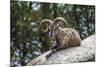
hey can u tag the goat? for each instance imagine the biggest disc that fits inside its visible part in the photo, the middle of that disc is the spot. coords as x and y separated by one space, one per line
63 37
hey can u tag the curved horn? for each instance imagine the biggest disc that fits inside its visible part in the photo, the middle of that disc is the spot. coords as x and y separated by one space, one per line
59 21
44 24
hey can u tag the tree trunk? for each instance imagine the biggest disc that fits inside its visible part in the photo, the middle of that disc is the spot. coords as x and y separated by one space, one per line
54 10
45 10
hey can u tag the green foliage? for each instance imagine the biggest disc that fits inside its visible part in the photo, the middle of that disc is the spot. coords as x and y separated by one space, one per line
27 39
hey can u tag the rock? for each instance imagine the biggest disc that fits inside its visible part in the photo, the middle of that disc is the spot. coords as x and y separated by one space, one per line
83 53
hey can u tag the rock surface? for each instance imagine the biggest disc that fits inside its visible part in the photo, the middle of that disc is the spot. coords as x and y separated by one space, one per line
83 53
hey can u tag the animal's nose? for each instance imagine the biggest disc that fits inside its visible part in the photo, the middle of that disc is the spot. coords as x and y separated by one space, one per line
53 39
50 34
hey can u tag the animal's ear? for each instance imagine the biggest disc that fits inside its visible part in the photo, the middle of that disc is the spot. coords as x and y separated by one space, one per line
45 24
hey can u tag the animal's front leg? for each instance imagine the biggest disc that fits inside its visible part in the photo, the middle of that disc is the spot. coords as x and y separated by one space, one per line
59 46
54 45
63 44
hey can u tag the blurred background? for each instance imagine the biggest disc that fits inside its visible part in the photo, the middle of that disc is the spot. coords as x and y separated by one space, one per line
28 41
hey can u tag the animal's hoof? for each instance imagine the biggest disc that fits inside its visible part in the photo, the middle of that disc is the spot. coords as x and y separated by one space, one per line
54 50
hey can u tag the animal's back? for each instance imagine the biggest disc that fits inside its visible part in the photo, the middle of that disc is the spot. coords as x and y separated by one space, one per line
74 37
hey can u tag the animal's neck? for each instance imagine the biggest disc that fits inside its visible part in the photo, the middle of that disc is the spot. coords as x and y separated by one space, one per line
61 34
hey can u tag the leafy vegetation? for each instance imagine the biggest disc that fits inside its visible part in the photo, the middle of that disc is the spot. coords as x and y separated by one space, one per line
28 41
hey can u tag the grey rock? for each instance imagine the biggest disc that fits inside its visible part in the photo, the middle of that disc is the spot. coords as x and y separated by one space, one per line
83 53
